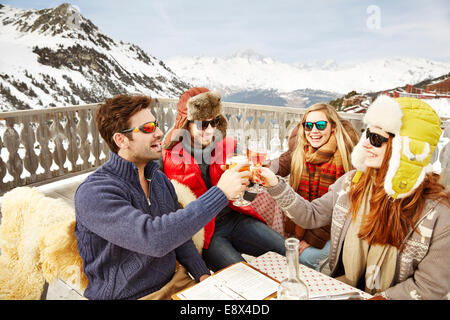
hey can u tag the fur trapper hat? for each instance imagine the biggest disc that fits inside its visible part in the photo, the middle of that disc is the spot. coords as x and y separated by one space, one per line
196 104
417 129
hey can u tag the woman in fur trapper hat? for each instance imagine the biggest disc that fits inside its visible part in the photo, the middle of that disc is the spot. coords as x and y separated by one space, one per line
206 104
390 217
194 153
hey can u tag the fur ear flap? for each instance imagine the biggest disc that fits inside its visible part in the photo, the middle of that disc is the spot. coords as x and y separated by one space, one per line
359 155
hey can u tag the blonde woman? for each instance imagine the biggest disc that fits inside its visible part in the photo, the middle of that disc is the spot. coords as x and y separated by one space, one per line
319 153
390 218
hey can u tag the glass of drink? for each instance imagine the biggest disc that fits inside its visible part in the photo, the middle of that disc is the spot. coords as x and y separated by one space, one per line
257 154
235 160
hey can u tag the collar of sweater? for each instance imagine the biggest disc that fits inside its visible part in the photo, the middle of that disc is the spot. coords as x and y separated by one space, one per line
128 170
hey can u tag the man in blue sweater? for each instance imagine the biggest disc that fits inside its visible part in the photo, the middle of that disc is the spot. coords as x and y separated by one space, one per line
130 230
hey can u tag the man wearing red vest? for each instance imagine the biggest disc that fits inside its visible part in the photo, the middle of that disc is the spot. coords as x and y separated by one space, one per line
194 152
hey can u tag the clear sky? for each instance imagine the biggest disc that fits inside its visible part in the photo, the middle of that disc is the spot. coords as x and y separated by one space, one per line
285 30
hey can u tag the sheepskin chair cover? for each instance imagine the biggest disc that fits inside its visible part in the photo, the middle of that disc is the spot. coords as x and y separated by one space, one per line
38 243
186 196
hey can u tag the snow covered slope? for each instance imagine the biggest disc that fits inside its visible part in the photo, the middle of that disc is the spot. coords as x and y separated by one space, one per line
56 57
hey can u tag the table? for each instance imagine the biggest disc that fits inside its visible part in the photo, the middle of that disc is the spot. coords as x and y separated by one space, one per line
319 284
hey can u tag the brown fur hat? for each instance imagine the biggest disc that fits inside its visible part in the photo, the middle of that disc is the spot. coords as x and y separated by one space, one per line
196 104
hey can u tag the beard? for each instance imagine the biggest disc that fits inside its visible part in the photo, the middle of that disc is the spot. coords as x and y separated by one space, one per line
145 154
202 152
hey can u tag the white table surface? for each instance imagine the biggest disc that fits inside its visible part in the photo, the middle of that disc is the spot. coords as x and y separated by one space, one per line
319 284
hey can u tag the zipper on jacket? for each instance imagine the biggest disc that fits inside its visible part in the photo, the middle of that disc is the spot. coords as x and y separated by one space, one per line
149 180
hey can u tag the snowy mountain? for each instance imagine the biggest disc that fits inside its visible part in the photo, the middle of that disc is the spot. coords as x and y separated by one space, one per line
57 57
247 71
301 98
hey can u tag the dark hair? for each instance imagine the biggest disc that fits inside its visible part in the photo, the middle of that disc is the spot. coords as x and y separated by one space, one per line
114 114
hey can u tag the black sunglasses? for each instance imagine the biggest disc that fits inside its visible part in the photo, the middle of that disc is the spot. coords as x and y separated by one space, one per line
320 125
202 125
147 127
375 139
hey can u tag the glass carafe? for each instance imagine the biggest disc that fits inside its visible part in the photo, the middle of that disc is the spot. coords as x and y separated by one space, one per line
292 287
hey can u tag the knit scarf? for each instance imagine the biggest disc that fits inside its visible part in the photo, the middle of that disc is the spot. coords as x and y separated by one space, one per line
322 168
376 263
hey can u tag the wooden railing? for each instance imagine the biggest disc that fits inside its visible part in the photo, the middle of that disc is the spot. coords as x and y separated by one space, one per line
46 145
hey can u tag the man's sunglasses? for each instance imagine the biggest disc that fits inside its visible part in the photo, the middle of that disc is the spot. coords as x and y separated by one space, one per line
202 125
375 139
320 125
147 127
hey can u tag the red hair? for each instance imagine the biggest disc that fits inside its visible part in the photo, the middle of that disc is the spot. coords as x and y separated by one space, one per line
388 221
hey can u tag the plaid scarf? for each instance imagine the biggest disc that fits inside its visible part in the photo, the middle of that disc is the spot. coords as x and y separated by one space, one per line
323 166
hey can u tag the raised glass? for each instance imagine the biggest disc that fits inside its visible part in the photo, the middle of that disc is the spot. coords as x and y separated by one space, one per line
257 154
235 160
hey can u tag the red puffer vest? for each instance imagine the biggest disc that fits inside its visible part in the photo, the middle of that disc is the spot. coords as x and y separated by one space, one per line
181 166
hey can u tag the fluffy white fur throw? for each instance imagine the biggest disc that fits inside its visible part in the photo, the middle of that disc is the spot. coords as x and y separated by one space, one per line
38 243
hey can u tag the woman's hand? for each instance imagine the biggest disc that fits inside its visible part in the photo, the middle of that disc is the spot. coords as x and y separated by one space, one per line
267 176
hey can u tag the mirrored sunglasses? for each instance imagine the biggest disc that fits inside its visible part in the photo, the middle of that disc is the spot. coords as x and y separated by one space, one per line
320 125
375 139
203 125
147 127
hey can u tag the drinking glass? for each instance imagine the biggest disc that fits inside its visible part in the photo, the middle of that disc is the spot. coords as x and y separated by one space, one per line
235 160
256 154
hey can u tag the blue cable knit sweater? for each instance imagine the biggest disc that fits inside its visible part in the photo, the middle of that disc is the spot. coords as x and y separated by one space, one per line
129 246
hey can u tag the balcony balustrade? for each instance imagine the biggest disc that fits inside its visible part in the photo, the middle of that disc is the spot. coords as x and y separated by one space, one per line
46 145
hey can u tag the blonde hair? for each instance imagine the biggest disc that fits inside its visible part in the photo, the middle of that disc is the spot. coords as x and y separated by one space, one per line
345 143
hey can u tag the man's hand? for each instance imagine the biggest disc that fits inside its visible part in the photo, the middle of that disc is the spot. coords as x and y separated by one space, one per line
232 182
203 277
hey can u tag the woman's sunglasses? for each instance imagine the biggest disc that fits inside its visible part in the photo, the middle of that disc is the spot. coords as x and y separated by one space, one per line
375 139
147 127
320 125
202 125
